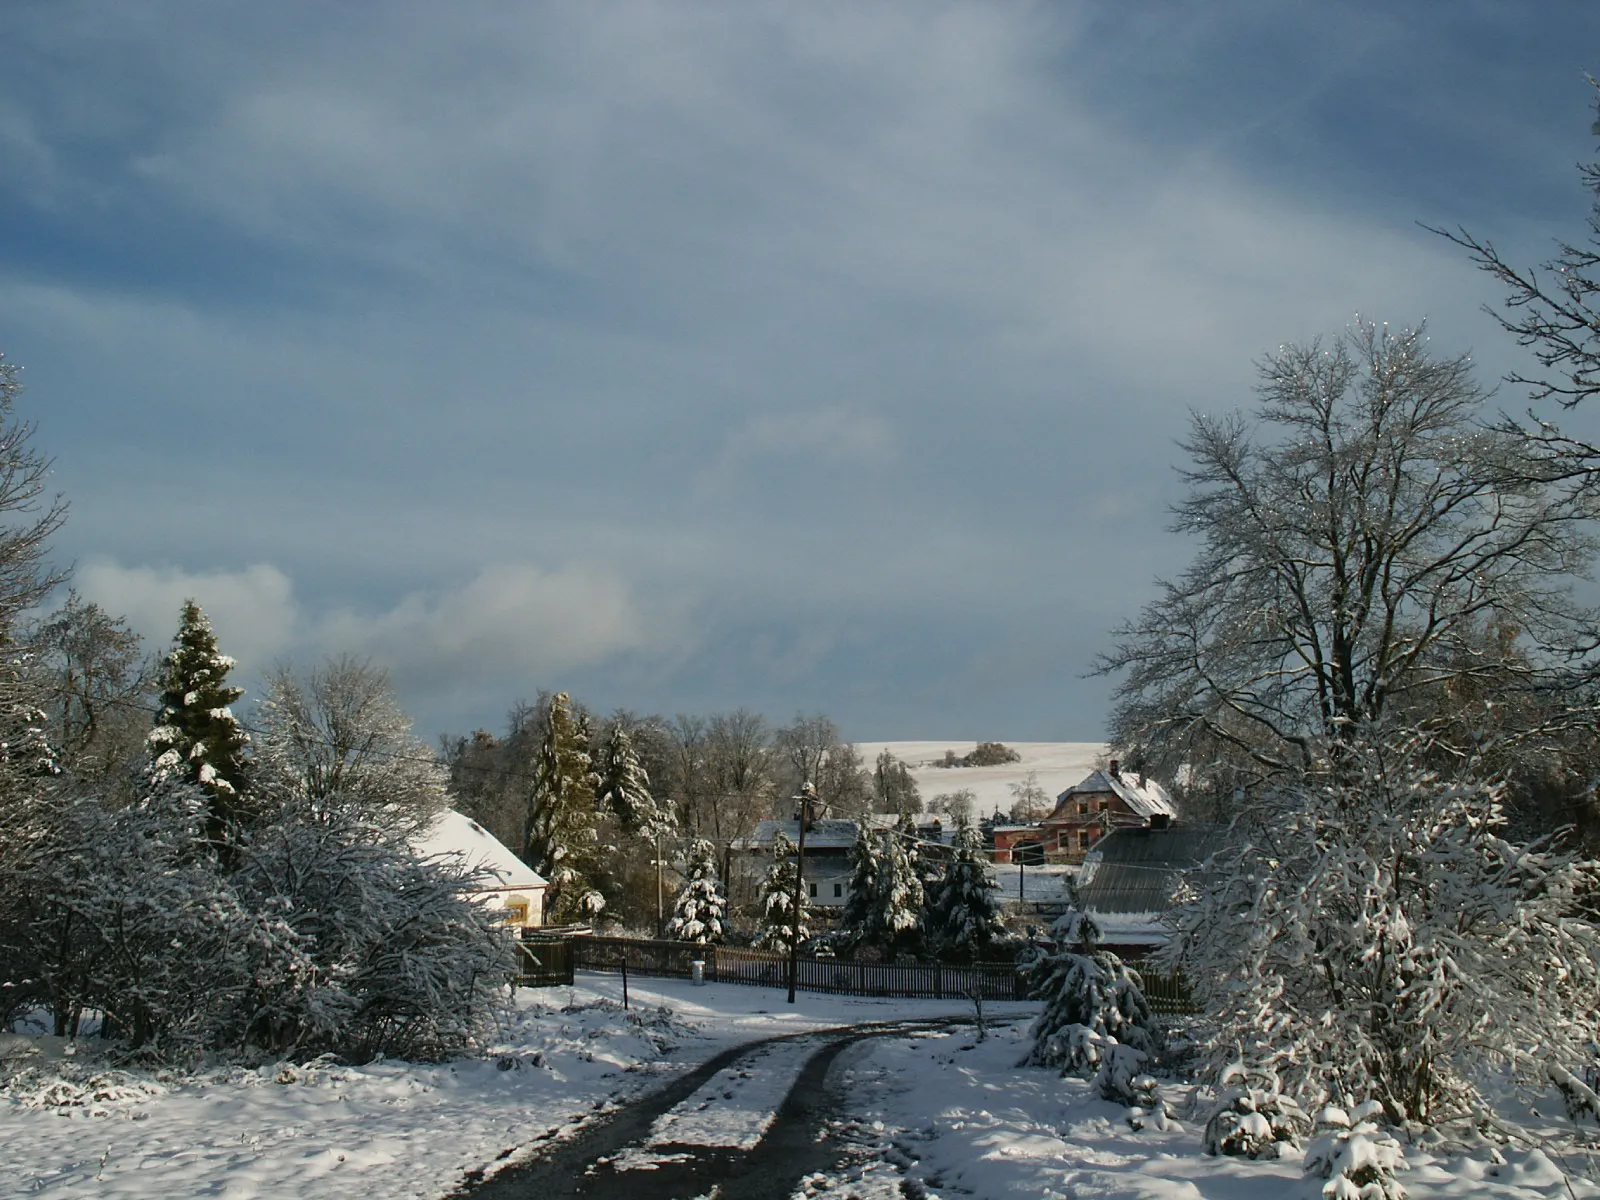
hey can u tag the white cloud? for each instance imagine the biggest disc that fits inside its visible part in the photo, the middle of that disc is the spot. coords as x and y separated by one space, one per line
252 610
510 619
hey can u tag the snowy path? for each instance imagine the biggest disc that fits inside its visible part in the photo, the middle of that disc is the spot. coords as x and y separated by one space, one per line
750 1125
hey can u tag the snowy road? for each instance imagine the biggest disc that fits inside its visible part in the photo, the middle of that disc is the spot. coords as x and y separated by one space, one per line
751 1124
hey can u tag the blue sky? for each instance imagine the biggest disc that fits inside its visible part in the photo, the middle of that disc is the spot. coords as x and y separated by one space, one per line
821 357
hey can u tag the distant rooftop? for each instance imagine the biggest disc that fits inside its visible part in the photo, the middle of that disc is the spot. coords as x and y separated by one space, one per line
1144 796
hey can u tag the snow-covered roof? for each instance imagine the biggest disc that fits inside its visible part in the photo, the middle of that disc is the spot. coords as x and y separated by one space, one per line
454 834
839 833
830 833
1145 797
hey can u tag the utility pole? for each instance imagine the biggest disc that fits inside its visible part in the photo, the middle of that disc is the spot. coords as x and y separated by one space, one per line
806 797
661 914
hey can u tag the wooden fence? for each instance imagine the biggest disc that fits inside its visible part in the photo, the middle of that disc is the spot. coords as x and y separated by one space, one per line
546 962
1168 993
762 968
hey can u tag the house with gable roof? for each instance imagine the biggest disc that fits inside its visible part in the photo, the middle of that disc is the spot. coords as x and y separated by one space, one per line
1107 799
500 880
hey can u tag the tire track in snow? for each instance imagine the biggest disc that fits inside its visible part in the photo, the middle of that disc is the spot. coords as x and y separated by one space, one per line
749 1124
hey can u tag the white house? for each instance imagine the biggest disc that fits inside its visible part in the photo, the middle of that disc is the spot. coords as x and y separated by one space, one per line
501 879
827 870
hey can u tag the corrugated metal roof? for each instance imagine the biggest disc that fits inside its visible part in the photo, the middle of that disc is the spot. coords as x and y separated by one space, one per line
1137 870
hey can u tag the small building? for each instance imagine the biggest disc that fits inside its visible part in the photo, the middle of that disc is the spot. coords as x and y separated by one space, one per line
1105 801
1128 881
501 880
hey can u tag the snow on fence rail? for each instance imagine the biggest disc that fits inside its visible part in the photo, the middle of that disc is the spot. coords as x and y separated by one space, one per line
761 968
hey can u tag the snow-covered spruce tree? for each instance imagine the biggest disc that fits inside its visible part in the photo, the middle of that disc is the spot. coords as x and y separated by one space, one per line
336 737
963 919
196 738
901 897
780 928
624 789
700 909
1093 1001
1378 937
883 914
861 921
563 824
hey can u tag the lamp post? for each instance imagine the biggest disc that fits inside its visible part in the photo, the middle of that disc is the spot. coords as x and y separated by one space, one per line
806 797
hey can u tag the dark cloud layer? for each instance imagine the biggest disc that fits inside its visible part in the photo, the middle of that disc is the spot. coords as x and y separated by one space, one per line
693 356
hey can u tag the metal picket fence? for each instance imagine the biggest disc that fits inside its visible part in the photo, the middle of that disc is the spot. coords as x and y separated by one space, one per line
762 968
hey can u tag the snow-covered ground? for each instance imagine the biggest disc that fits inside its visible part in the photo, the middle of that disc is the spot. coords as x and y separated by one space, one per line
388 1129
955 1115
1055 765
960 1119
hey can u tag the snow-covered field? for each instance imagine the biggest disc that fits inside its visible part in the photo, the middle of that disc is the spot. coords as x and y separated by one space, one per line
1056 766
956 1116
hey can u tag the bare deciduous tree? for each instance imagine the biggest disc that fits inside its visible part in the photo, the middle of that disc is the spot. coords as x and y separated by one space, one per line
1361 540
97 684
337 737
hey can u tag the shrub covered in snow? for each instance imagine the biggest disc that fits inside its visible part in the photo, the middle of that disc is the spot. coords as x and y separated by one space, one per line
1091 999
1355 1156
1380 937
315 938
1253 1118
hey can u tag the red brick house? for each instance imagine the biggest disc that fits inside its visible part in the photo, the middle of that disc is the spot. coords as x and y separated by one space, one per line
1085 813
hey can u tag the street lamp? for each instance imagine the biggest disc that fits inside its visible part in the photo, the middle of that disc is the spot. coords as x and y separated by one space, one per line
806 797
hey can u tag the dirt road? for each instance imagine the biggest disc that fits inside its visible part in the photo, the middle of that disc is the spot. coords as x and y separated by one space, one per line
750 1124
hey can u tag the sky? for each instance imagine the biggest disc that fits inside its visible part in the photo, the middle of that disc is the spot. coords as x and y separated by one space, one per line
802 357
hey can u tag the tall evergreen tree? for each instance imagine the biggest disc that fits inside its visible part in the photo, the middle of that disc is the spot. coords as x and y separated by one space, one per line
196 738
562 832
700 911
884 911
963 919
624 788
858 923
901 897
781 928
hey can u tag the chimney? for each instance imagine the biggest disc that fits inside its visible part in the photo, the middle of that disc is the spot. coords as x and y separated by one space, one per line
1112 768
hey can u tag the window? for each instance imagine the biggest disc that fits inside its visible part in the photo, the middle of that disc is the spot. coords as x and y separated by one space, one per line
1083 808
516 912
838 890
813 891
